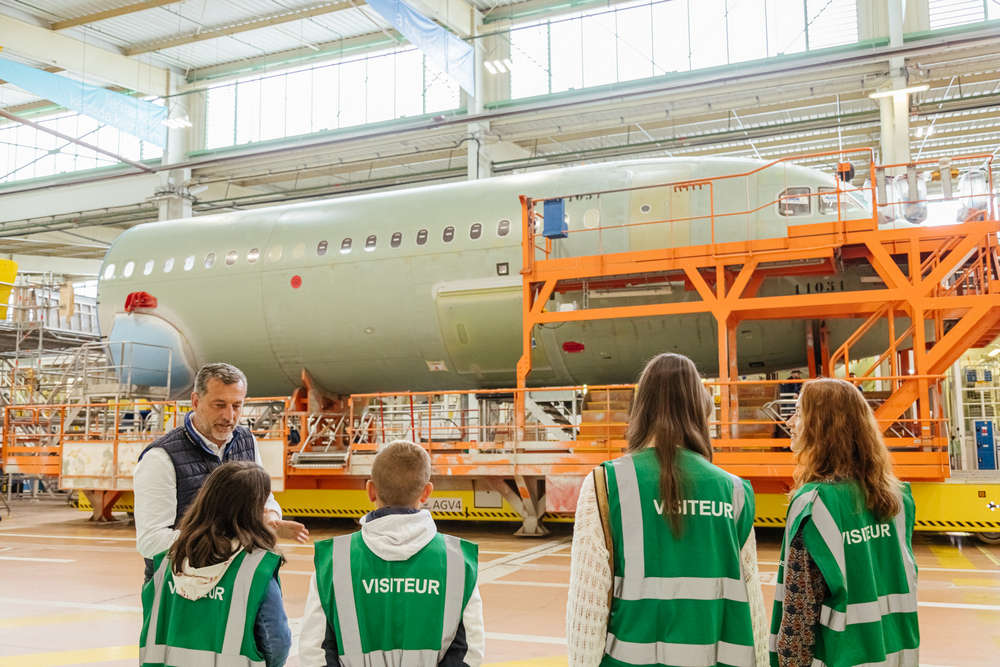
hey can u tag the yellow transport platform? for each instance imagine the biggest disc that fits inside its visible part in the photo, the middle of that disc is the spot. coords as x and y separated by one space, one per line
967 502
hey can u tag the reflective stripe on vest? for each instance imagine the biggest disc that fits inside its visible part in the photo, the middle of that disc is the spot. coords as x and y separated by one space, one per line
908 656
635 585
352 652
235 623
680 655
861 612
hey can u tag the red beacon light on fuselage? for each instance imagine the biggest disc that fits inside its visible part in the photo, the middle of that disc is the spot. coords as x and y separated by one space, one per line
137 300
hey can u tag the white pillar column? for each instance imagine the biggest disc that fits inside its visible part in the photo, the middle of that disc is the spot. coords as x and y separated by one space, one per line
172 203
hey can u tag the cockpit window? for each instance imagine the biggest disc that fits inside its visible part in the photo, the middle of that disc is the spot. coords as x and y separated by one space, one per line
795 201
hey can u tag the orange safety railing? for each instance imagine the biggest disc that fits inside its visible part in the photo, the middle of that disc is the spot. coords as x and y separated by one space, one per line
472 440
713 216
97 445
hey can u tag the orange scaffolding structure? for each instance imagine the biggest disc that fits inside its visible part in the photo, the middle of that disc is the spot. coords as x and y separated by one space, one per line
944 277
933 292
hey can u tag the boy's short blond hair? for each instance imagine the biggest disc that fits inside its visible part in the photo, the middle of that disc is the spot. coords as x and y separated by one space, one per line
400 473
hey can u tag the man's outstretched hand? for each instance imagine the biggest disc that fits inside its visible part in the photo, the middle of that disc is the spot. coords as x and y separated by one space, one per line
288 530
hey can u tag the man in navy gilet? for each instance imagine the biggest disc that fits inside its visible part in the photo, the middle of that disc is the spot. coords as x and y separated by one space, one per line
173 468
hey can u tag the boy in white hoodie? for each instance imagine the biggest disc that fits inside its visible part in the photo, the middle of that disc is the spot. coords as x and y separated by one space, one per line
396 592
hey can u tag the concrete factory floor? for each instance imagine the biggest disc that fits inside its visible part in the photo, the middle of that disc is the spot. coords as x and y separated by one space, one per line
69 590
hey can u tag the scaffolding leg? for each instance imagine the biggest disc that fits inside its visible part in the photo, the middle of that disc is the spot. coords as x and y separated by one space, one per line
102 502
528 501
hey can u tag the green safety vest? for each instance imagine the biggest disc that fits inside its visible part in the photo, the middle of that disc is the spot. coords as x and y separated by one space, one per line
870 616
395 612
678 600
216 630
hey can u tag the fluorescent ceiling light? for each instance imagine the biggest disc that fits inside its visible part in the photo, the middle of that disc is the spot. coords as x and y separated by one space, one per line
506 61
177 123
499 66
994 352
489 67
898 91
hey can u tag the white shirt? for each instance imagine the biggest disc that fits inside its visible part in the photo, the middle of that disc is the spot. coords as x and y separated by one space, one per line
154 484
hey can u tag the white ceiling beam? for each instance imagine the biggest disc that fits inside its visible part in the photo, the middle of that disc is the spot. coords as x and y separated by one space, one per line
57 50
456 15
111 13
65 266
82 237
42 204
250 24
200 78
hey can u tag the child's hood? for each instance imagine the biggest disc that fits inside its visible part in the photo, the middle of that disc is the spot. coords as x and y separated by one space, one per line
396 537
195 583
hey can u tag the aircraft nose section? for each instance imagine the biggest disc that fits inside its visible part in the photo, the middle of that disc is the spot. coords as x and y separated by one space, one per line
148 351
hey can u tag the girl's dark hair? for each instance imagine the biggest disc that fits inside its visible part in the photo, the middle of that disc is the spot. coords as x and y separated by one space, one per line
229 506
670 410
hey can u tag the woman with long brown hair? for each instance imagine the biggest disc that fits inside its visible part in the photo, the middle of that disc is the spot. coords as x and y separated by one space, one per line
664 568
847 585
215 592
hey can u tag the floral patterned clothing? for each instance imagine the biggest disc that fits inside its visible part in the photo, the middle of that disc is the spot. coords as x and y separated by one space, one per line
805 590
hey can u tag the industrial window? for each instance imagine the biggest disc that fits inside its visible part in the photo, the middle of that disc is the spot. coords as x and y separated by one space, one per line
209 260
253 255
33 153
503 228
299 251
275 254
604 45
476 231
449 234
129 268
231 257
422 237
321 248
370 243
168 265
345 246
109 271
794 202
354 90
949 13
149 267
396 239
189 262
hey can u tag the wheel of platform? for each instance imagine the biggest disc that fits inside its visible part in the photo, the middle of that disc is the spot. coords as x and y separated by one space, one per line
989 538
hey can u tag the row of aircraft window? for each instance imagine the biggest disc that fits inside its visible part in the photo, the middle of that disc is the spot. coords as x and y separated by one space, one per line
274 254
793 201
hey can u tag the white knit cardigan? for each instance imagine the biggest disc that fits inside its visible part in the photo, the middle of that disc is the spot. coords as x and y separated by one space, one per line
590 582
